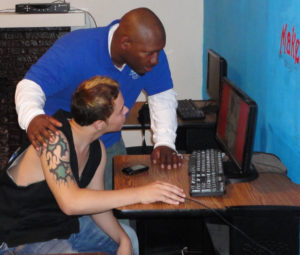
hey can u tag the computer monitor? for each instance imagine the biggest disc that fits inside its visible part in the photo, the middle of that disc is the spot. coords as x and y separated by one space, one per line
235 132
216 70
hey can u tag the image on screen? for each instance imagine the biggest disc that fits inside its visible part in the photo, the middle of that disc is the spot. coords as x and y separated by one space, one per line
236 125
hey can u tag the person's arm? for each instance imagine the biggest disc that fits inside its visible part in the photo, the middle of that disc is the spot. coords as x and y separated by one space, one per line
30 100
109 224
55 160
106 221
164 125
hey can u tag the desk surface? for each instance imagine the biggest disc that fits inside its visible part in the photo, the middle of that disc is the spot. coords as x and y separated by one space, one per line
267 190
133 123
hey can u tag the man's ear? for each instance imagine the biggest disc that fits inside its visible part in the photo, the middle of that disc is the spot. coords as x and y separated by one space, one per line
125 42
99 124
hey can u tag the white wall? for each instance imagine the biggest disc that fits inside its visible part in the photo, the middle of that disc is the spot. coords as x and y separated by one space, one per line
183 21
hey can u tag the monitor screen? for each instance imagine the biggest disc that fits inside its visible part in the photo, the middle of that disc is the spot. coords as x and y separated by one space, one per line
216 70
235 130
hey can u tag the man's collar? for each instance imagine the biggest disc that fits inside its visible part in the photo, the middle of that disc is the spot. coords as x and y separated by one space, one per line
111 32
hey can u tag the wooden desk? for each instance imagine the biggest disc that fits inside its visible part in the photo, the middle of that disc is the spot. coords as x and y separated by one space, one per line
267 209
267 190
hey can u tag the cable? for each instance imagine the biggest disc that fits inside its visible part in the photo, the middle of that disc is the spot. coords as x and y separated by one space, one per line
78 9
7 10
232 226
59 1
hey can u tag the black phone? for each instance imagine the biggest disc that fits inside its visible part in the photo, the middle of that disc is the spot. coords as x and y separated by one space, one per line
135 169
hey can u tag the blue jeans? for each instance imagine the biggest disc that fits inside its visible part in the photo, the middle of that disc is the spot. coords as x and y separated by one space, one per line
89 239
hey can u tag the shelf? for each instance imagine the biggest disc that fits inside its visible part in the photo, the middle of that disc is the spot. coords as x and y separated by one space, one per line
71 19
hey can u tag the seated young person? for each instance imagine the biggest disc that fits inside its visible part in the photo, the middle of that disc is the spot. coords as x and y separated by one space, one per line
53 200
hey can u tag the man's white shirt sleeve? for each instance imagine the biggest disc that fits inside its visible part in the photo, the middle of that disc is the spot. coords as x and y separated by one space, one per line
30 100
163 116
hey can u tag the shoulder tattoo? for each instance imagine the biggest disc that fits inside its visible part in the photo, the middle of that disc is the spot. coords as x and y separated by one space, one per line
56 154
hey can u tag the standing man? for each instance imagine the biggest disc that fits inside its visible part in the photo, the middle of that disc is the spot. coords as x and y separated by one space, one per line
130 51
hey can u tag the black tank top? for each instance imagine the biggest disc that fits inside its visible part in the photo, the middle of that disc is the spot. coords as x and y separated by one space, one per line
31 214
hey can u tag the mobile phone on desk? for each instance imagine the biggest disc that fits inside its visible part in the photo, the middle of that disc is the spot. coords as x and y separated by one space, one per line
135 169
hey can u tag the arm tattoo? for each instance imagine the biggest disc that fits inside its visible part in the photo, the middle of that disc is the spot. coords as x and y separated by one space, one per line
55 152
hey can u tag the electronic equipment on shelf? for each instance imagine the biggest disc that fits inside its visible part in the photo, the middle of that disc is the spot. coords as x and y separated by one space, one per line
206 173
187 110
43 8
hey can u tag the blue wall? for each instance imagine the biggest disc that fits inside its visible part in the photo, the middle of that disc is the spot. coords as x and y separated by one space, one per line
248 35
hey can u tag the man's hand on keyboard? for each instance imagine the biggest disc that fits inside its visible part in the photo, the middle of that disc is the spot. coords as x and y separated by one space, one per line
166 157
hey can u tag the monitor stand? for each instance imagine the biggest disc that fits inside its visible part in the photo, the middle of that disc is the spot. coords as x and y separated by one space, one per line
233 174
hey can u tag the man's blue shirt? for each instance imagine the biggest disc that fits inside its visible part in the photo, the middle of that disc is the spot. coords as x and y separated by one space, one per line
82 54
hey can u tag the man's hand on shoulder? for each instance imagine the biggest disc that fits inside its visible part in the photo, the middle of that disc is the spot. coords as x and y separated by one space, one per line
41 129
166 157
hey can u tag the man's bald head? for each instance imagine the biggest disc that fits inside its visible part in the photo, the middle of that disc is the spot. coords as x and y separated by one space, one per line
143 25
138 40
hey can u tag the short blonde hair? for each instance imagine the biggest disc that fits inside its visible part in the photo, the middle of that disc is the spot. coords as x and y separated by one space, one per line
94 100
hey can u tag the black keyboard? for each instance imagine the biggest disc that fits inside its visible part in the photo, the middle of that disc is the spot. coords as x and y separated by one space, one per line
187 110
210 108
206 173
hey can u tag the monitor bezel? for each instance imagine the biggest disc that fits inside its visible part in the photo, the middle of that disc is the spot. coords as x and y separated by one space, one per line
246 170
222 73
